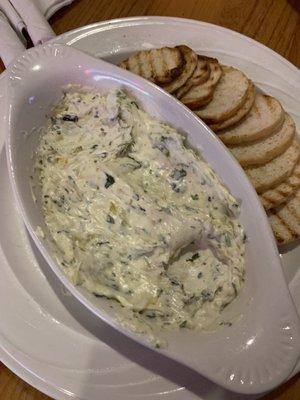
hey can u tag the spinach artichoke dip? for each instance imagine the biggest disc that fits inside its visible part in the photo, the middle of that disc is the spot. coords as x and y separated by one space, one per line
136 215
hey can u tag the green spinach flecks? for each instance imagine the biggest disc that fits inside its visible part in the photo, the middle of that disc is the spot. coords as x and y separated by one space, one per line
110 219
110 180
193 258
70 118
178 174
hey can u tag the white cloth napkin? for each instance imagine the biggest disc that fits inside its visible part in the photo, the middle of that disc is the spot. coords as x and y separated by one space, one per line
15 15
49 7
10 44
14 18
34 14
36 24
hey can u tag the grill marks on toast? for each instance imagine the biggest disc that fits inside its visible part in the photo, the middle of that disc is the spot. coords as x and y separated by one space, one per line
160 66
190 63
285 220
274 197
200 75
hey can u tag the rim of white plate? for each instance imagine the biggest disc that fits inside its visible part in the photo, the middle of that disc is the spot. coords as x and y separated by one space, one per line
91 27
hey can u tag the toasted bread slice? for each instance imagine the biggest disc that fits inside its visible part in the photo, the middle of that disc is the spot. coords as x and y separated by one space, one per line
263 151
157 65
190 63
202 94
264 118
239 115
230 94
198 96
274 197
285 220
200 75
276 171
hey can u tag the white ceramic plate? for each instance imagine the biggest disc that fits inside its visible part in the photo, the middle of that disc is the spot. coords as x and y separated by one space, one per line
261 348
49 341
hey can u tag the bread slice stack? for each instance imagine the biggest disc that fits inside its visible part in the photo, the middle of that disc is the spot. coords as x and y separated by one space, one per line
254 126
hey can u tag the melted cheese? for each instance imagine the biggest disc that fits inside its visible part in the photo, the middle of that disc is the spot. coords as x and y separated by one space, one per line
137 216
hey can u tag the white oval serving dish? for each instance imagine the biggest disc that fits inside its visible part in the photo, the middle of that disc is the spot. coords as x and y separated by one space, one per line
261 348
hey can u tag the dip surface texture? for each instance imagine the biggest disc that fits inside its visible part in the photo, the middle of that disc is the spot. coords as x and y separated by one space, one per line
136 215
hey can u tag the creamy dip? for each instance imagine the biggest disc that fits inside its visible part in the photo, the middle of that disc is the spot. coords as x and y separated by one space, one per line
137 216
